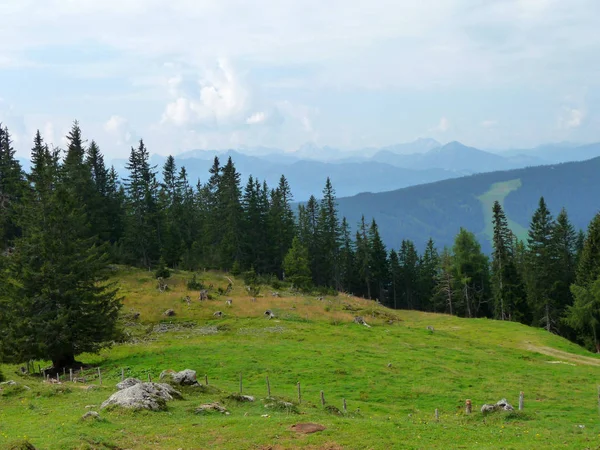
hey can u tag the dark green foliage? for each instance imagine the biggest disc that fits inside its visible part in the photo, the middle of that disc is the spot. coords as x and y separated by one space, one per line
470 270
55 302
507 285
542 269
2 377
194 284
142 235
588 269
12 188
162 271
295 266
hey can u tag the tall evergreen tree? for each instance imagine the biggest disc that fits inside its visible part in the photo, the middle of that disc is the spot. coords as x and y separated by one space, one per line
230 214
12 189
348 273
428 271
588 269
564 241
281 224
142 234
379 269
541 268
328 240
54 301
409 275
295 265
470 272
363 259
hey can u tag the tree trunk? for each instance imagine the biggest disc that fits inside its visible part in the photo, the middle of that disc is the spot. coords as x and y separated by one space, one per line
63 361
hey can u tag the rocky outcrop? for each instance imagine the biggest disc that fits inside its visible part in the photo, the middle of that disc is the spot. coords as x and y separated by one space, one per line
151 396
186 377
127 383
501 405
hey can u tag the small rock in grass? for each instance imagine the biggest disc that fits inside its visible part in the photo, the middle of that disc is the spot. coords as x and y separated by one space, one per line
241 398
212 407
91 415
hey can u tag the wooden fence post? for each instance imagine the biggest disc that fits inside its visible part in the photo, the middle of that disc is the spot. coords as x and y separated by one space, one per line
300 394
468 406
100 376
437 415
268 387
345 406
206 379
122 374
322 398
71 375
521 400
58 376
40 369
149 378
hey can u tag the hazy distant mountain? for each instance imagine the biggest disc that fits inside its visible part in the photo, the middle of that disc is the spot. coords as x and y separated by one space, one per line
554 153
421 145
305 177
453 156
369 170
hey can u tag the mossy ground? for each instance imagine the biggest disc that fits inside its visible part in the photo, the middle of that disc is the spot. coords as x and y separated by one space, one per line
316 343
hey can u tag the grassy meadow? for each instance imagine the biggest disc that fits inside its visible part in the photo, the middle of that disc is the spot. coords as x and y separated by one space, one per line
393 377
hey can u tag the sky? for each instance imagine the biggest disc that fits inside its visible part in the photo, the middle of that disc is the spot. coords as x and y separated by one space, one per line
216 74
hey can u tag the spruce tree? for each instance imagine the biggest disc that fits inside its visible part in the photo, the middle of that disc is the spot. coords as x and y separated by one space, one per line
446 283
142 235
363 259
347 260
588 269
395 280
428 270
379 269
55 302
295 265
328 239
542 268
12 189
565 241
281 225
230 215
409 277
470 273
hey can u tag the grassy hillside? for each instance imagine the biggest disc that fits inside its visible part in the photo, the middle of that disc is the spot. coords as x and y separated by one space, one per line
392 375
438 210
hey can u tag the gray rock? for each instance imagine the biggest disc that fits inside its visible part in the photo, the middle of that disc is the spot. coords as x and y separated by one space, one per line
501 405
241 398
211 407
91 415
127 383
9 383
152 396
169 313
186 377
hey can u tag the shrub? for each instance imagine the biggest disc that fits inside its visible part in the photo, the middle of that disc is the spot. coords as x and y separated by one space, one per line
1 377
194 284
162 271
250 277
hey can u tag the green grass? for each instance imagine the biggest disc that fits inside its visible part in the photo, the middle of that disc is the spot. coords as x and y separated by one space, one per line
388 407
498 192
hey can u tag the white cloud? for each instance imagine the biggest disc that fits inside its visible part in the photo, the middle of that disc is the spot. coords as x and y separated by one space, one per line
574 118
489 123
118 128
443 126
256 118
223 99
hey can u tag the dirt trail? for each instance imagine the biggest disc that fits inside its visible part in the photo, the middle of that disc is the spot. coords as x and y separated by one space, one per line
566 356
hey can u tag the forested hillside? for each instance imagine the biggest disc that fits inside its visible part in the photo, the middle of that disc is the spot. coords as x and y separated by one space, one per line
438 210
65 220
